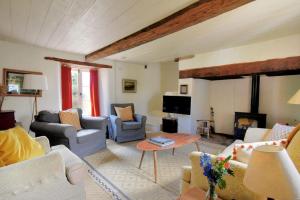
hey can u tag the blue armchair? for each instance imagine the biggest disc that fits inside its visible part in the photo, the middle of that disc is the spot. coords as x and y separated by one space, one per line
124 131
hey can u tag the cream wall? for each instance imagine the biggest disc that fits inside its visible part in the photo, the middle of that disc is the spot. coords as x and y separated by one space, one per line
147 99
278 48
169 76
31 58
228 96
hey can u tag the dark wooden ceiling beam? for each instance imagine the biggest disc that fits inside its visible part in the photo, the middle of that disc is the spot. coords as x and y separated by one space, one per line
195 13
75 62
280 66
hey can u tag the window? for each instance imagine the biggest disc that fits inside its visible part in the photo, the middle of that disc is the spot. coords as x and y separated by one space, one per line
81 90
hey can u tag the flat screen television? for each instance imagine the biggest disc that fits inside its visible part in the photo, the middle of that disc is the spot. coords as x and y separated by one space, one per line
177 104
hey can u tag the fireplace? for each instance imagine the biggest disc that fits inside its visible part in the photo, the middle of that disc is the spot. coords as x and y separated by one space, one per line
244 120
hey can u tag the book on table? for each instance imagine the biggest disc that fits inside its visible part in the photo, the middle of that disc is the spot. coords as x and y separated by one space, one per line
161 141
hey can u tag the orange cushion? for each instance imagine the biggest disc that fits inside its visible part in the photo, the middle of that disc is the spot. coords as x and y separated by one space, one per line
69 117
124 113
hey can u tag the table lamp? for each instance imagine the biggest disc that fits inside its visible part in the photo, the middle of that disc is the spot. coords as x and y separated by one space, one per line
271 173
295 99
35 82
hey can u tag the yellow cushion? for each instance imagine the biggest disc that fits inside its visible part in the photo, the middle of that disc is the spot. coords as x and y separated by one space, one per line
69 117
124 113
293 150
17 145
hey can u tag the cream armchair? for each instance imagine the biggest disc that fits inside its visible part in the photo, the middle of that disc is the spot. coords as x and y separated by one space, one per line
192 176
57 175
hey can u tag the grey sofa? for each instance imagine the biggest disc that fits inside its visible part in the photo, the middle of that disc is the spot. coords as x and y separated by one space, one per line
124 131
88 140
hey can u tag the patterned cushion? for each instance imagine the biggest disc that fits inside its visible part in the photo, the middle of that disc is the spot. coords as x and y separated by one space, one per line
242 152
124 113
72 118
279 132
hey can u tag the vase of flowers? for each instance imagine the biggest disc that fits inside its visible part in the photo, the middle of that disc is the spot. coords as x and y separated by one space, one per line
214 171
2 95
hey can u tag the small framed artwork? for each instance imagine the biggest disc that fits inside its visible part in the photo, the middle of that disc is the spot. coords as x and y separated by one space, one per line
13 80
129 86
184 89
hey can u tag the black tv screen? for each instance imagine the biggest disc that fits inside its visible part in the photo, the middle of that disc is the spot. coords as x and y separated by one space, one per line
177 104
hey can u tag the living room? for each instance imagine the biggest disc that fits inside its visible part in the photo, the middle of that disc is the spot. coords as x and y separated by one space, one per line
135 76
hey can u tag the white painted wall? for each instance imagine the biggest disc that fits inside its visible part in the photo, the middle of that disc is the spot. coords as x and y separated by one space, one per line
198 89
147 99
278 48
228 96
169 76
31 58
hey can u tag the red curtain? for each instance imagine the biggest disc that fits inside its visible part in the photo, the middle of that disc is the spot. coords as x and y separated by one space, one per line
66 87
94 90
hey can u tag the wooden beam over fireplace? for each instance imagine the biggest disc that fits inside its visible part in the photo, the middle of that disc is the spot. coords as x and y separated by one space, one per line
272 67
193 14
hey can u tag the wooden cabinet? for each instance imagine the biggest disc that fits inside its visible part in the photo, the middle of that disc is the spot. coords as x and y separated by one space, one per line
7 119
169 125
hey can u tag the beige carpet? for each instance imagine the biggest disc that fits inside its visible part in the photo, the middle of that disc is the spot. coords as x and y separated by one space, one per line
118 165
94 191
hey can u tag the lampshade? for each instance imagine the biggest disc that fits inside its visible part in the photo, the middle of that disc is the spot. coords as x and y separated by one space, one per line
35 82
295 99
271 173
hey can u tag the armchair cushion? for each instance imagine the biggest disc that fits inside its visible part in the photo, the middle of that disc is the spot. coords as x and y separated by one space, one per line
87 135
17 145
131 125
125 114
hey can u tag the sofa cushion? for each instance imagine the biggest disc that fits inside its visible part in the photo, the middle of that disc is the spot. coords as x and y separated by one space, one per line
46 116
131 125
279 132
70 117
87 135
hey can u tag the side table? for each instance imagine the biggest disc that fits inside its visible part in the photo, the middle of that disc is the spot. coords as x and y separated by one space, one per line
194 194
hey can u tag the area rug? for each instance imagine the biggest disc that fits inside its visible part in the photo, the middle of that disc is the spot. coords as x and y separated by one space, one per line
117 169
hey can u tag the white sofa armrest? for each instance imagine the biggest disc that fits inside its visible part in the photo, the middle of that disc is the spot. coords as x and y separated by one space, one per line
43 140
76 169
255 134
20 176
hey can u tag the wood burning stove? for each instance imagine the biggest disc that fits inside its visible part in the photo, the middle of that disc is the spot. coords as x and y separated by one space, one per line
243 120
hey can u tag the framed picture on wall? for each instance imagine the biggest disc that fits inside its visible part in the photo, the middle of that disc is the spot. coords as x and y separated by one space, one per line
129 86
13 80
184 89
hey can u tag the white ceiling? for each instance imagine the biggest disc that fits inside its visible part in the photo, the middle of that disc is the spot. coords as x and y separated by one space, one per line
84 26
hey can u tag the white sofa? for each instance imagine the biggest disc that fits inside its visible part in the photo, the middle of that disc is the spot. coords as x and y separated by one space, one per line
192 175
56 176
252 135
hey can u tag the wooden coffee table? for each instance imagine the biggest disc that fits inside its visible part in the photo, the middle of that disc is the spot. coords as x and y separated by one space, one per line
180 139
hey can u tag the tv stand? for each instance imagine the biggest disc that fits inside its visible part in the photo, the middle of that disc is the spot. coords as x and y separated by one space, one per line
169 125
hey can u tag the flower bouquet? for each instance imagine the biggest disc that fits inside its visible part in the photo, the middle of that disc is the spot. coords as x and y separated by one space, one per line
2 95
214 171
